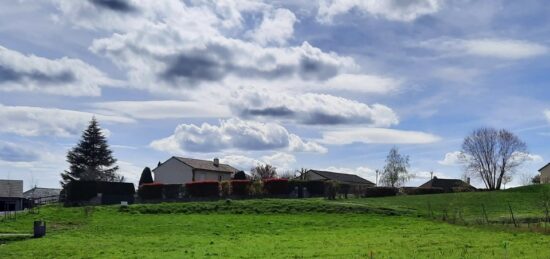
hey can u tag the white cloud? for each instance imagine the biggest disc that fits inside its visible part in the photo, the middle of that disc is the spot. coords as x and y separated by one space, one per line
309 108
234 134
404 11
376 136
547 113
12 152
361 83
282 161
277 27
64 76
451 159
38 121
506 49
163 109
131 172
526 157
362 171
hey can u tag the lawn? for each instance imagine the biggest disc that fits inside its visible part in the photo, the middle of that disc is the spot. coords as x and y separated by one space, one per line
307 228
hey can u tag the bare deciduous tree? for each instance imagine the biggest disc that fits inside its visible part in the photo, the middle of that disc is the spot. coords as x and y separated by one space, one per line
396 169
263 172
492 155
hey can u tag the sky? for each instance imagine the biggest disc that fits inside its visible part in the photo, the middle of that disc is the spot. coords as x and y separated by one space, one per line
329 85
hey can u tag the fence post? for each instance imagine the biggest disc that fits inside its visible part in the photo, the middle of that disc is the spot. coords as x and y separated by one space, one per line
512 213
485 213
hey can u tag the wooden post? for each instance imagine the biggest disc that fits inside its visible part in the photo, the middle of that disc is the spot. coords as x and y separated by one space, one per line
512 214
485 213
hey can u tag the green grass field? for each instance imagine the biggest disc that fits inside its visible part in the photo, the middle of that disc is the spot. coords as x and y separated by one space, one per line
310 228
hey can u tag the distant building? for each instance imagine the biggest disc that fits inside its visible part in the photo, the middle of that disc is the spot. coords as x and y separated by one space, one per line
449 185
339 177
180 170
545 174
11 195
42 195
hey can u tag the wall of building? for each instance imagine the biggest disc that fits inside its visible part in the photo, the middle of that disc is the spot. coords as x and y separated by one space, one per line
313 176
545 175
201 175
173 172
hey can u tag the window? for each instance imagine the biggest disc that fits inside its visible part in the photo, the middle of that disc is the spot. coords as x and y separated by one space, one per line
219 178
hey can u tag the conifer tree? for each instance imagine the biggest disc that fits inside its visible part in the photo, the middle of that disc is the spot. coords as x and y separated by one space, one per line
91 159
146 176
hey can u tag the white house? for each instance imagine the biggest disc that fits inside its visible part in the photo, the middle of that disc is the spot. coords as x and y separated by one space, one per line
180 170
545 174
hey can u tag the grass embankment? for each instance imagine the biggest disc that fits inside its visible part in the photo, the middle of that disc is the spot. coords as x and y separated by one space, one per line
386 227
527 203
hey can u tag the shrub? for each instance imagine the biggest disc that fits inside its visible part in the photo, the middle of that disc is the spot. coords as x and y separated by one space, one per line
276 186
256 188
331 189
112 192
203 189
172 191
344 189
240 175
151 191
316 187
380 191
240 187
463 189
422 191
226 188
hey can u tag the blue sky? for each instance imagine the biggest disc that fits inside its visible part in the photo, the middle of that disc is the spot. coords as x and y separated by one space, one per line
328 85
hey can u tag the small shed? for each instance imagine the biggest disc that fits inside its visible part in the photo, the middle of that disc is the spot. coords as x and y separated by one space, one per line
11 195
449 185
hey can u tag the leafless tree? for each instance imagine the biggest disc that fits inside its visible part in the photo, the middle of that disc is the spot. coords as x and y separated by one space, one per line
491 154
396 169
302 173
287 174
263 172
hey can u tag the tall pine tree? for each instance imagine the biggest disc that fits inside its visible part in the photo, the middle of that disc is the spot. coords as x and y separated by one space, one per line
91 159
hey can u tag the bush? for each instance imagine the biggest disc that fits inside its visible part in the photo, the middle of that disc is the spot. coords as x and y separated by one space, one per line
256 188
112 192
344 189
316 187
276 186
151 191
422 191
240 187
331 189
225 188
172 191
380 191
240 175
203 189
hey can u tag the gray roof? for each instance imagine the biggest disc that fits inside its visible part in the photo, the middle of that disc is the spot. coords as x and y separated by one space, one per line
11 188
340 177
446 184
38 192
207 165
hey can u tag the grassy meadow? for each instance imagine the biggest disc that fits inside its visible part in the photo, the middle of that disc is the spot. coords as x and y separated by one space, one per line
393 227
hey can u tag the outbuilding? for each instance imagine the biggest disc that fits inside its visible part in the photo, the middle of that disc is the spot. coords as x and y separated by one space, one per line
180 170
11 195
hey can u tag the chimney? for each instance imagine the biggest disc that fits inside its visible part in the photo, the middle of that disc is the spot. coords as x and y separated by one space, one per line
468 180
216 162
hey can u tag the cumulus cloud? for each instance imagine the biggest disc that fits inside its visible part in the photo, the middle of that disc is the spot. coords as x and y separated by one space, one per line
376 136
396 10
310 108
165 109
452 158
277 27
12 152
38 121
362 83
114 5
506 49
234 134
279 160
64 76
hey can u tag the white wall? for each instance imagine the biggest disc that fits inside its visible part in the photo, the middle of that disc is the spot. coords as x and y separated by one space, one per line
173 172
201 175
545 175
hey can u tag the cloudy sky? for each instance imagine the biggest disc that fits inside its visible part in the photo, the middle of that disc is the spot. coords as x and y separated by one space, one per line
328 85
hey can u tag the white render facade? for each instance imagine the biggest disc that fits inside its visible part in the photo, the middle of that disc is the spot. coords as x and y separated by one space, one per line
177 170
545 174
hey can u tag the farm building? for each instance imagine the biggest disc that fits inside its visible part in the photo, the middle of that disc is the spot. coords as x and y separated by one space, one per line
42 195
447 184
545 174
339 177
11 195
179 170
